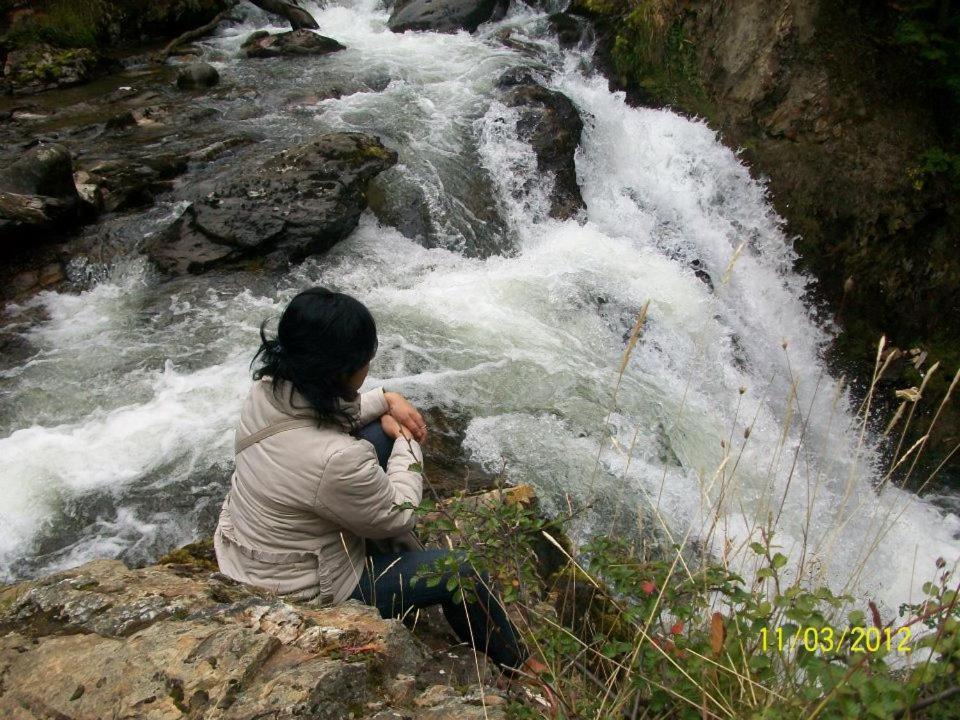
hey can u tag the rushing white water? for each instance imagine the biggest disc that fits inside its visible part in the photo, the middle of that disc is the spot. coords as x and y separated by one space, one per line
502 316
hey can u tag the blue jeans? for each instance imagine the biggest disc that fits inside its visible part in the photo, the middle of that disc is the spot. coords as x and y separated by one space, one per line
387 584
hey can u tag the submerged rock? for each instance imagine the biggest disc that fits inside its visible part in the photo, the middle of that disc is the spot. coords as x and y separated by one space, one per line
299 203
447 16
37 190
296 42
550 122
197 75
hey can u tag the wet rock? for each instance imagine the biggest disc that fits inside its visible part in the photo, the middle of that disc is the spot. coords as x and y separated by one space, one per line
446 16
37 190
296 42
121 121
550 122
570 29
41 67
124 183
197 75
299 203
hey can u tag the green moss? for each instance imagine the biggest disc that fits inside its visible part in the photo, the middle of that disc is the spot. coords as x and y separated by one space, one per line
199 554
64 23
100 23
651 51
654 53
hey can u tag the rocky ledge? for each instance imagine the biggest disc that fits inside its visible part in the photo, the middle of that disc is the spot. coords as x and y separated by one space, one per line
179 640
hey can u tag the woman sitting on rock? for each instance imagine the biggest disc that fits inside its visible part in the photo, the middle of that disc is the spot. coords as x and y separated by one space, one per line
321 469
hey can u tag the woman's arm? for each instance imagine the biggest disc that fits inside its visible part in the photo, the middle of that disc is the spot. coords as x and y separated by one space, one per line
373 405
356 492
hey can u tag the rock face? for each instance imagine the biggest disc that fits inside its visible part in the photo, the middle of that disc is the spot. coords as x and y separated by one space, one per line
197 75
549 121
173 641
299 203
37 190
296 42
446 16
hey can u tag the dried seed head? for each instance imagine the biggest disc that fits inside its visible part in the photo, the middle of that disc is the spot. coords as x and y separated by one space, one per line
746 433
784 344
743 389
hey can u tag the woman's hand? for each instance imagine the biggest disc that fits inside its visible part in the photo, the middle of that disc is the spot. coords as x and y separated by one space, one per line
392 429
406 416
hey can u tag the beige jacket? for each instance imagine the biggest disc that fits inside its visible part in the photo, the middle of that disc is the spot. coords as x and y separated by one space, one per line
302 501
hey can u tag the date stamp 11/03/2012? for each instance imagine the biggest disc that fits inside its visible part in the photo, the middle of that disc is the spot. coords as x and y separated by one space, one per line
829 640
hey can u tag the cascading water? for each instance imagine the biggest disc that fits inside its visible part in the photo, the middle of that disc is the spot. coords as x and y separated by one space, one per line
117 423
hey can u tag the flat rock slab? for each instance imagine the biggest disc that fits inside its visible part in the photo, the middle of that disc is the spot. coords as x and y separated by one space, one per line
296 42
202 646
299 203
446 16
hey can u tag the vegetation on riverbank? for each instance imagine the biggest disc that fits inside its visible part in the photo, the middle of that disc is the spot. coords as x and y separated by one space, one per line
100 24
630 632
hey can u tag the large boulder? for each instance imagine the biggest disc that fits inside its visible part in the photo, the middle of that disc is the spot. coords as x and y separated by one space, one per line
295 42
299 203
37 190
446 16
550 122
197 75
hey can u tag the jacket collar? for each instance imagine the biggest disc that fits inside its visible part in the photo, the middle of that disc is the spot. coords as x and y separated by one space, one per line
292 403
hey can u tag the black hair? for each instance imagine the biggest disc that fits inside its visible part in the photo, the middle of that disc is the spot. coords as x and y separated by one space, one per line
323 337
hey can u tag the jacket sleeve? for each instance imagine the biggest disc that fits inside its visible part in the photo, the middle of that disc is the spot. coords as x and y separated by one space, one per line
373 405
356 492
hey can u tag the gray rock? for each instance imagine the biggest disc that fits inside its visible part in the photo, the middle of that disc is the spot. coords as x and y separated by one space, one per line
447 16
550 122
296 42
197 75
37 190
299 203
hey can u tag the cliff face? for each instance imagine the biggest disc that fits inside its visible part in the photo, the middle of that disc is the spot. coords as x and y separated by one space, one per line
837 124
840 120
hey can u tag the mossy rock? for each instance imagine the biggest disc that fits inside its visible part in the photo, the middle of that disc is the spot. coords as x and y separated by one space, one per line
43 67
199 554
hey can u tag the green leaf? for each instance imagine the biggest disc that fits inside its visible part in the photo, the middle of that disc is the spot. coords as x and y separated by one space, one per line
415 467
779 560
